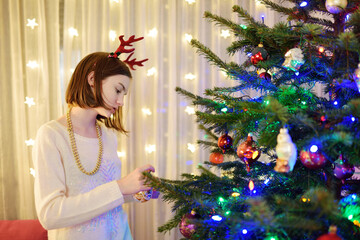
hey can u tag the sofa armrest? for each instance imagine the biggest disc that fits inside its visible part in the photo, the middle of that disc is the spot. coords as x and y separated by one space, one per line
22 230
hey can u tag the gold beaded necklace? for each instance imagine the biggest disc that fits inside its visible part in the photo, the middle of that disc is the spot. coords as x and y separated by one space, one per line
74 149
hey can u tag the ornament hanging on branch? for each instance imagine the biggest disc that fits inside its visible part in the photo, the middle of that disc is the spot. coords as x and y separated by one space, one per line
343 169
294 59
312 158
264 74
259 54
331 235
187 226
248 151
335 6
286 152
225 142
216 158
357 77
143 196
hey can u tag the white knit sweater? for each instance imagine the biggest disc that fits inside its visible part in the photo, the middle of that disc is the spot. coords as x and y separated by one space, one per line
69 203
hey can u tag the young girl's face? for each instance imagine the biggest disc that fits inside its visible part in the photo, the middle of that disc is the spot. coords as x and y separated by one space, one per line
114 88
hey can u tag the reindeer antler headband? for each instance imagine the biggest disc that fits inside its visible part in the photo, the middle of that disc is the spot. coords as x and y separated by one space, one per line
121 49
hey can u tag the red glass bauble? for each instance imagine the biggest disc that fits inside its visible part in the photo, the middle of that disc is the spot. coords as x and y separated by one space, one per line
265 76
331 235
343 169
248 152
216 158
225 142
187 226
312 160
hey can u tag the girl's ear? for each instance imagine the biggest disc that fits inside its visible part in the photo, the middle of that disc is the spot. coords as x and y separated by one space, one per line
91 78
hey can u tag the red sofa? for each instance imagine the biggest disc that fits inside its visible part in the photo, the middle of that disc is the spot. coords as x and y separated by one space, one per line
22 230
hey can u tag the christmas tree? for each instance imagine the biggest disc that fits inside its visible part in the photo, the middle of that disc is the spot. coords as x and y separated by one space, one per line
305 188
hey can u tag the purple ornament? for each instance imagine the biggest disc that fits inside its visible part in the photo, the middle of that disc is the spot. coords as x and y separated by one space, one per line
187 226
343 169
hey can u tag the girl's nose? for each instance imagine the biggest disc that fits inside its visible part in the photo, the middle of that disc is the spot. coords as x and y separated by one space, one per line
120 101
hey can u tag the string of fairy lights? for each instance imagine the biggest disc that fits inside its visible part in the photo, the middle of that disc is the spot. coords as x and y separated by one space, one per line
150 72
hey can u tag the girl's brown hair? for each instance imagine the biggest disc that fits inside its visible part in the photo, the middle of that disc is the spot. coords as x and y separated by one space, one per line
80 93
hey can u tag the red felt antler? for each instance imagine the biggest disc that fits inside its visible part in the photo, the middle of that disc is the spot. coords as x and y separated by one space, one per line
123 44
122 49
133 62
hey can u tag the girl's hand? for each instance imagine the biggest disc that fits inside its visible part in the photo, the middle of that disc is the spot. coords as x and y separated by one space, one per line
134 182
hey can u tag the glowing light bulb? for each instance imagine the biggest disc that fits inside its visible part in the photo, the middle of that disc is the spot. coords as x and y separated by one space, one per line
244 231
73 32
150 148
190 110
303 4
112 35
321 49
190 1
151 72
251 185
190 76
153 32
191 147
313 148
188 37
32 172
225 33
29 142
29 101
121 154
31 23
216 218
235 194
32 64
224 110
146 111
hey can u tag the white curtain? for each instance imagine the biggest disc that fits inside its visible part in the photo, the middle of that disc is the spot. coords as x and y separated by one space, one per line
37 63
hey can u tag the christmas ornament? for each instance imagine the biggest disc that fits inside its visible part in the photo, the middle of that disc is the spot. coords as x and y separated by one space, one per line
259 54
143 196
331 235
248 152
216 158
187 226
294 58
335 6
264 74
225 142
357 77
286 152
343 169
312 159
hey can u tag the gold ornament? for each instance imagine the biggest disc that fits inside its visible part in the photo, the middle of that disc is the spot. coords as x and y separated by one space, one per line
335 6
143 196
74 149
286 152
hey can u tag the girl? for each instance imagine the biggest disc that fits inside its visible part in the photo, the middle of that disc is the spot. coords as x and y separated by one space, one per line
78 189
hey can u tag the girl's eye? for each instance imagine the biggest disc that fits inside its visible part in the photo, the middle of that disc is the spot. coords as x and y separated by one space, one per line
118 91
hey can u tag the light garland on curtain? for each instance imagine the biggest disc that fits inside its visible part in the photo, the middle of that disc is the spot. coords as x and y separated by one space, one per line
29 101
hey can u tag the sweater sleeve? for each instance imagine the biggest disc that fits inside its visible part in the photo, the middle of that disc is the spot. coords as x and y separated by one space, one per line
54 208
